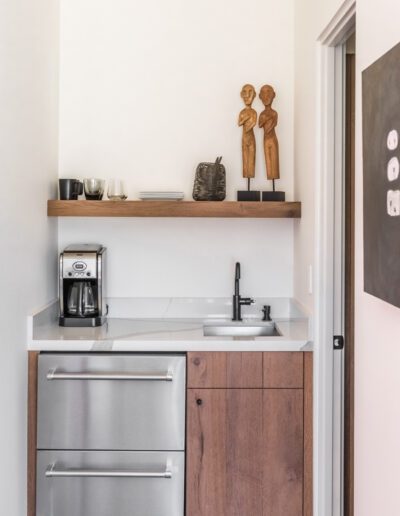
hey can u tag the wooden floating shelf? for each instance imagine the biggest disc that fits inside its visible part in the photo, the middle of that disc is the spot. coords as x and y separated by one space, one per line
224 209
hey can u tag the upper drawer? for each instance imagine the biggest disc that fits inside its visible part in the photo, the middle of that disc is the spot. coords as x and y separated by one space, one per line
225 370
283 370
111 402
271 370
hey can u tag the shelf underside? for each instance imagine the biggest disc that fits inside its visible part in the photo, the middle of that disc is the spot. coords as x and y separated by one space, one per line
224 209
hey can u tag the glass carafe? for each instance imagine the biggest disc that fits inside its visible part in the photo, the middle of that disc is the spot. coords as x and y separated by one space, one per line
74 299
88 300
81 301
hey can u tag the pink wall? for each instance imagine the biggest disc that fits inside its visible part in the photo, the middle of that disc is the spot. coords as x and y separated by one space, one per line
377 389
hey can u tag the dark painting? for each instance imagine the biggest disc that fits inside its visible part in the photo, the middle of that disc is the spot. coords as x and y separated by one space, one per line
381 156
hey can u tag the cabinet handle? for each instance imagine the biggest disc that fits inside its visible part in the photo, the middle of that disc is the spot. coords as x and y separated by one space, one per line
199 401
52 472
166 376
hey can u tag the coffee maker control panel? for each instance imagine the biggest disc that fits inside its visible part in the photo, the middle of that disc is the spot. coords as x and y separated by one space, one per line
79 265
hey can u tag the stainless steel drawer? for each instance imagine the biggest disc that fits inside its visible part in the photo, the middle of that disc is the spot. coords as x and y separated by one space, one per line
111 402
83 483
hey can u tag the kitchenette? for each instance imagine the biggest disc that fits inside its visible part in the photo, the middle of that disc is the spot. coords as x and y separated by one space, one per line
167 406
170 343
199 213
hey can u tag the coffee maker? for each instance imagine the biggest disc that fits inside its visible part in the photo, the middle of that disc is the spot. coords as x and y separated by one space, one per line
82 286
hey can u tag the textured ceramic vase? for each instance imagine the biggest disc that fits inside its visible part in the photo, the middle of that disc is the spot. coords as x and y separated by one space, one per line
210 182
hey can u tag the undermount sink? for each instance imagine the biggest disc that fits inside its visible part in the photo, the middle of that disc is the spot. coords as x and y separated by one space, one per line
268 329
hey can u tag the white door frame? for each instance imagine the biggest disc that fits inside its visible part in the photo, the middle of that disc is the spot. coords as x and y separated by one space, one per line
328 370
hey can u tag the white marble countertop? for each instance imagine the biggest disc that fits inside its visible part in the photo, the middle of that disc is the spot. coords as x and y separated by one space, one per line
170 325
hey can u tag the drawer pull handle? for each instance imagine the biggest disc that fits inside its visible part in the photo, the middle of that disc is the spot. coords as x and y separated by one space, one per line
52 472
158 376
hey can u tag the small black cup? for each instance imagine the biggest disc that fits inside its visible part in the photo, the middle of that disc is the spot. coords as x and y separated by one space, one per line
70 189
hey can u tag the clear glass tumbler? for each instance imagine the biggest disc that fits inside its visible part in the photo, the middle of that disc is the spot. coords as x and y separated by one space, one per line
116 190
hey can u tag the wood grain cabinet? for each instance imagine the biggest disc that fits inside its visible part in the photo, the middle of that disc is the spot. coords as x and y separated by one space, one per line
249 434
249 420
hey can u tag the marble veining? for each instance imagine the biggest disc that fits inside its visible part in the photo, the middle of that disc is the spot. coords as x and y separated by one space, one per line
170 324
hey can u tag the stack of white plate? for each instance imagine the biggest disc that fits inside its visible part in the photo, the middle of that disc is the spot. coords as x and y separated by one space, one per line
161 196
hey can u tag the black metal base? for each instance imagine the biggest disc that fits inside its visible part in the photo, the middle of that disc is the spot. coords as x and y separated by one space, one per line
81 322
248 195
273 196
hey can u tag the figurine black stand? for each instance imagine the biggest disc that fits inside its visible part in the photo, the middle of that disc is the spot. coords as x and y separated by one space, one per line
274 195
248 195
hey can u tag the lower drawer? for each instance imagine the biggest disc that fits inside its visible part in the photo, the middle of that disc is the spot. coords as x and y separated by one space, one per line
87 483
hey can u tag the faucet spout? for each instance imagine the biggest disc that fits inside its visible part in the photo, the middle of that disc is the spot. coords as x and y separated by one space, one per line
237 278
237 270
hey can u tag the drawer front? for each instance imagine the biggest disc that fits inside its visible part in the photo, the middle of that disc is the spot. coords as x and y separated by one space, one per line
220 370
283 370
104 402
100 483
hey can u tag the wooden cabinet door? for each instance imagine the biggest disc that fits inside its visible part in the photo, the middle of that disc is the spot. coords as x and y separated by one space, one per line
224 452
245 452
282 452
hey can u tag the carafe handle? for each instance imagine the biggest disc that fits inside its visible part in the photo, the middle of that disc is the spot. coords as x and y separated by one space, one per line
81 300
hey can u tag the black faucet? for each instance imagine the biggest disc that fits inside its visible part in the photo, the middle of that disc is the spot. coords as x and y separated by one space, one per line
238 300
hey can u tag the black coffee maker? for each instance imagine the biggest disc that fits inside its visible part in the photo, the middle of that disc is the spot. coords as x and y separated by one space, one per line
82 286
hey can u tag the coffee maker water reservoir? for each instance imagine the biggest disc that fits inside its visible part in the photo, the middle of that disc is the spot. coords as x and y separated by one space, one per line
82 286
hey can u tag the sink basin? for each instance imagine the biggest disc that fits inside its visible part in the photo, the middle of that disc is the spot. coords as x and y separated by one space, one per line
241 330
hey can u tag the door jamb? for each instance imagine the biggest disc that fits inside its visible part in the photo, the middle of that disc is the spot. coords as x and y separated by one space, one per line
336 33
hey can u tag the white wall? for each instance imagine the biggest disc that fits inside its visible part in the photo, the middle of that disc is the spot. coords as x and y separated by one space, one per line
150 89
311 18
190 257
147 91
28 164
377 361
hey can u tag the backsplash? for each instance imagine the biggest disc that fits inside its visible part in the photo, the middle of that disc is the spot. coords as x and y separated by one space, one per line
189 257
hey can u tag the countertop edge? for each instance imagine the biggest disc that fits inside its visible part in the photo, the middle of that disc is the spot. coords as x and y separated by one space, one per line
173 346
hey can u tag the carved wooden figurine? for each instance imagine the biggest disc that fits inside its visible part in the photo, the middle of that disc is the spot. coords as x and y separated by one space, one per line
268 120
248 120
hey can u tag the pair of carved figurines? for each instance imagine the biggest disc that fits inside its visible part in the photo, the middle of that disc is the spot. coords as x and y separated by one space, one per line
268 120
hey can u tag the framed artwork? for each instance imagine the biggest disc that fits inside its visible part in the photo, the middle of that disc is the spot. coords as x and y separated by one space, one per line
381 162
